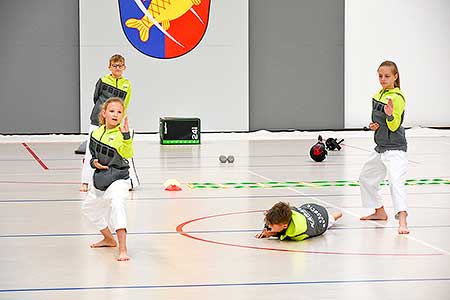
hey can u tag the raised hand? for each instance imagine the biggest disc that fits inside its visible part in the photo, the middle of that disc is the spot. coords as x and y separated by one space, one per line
99 165
125 128
389 107
374 126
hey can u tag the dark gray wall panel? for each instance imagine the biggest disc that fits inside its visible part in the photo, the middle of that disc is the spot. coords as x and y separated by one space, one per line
39 63
296 64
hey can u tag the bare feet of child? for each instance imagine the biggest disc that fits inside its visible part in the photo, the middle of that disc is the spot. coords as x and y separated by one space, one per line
123 256
336 215
403 229
122 238
379 214
105 243
84 187
403 226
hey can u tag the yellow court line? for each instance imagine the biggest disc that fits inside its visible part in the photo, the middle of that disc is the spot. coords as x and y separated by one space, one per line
308 184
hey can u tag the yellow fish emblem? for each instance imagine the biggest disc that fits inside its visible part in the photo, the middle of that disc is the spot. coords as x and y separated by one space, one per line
163 11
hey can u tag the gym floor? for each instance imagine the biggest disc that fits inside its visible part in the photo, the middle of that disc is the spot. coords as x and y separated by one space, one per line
198 243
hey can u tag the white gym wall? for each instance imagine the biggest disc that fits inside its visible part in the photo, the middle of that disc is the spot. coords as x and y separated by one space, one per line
210 82
414 34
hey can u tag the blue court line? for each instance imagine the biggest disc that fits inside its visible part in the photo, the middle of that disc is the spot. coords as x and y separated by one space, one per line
203 285
32 235
180 198
216 197
39 200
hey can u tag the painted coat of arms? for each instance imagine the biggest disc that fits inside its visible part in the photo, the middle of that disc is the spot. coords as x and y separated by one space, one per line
164 28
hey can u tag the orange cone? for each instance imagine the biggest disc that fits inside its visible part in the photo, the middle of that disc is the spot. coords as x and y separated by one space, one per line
172 185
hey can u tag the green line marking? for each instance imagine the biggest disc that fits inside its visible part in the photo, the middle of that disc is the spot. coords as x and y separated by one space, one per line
179 142
306 184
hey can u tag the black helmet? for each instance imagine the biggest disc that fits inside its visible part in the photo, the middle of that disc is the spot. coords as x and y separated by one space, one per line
333 144
318 152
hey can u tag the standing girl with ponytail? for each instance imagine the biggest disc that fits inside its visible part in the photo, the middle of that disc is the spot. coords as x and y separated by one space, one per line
389 157
105 205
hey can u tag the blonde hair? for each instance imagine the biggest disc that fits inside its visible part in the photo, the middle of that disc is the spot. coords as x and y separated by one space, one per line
101 119
116 58
394 70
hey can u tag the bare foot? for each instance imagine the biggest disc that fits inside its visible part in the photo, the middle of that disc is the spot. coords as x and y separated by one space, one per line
84 187
123 256
379 214
122 238
403 230
402 224
104 243
374 216
336 215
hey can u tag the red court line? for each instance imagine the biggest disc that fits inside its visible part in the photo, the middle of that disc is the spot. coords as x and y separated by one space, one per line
179 229
35 156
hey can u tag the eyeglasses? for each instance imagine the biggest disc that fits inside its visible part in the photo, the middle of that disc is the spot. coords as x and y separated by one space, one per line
118 66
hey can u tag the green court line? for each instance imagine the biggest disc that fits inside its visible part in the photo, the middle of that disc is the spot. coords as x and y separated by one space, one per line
171 142
305 184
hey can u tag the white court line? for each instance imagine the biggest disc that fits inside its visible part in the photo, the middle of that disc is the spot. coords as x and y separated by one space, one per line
409 236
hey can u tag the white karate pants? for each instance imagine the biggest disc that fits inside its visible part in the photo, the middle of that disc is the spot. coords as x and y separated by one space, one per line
331 220
87 171
108 208
393 164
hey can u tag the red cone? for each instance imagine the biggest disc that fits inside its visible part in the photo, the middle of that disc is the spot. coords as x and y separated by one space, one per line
172 185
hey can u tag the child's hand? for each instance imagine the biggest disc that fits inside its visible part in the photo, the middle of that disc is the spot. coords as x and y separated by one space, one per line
124 128
99 165
389 107
263 234
374 126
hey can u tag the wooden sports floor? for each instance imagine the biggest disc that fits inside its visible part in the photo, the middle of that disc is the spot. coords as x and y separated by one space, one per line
199 243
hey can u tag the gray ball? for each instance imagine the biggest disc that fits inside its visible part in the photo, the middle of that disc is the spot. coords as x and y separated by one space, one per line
223 159
230 158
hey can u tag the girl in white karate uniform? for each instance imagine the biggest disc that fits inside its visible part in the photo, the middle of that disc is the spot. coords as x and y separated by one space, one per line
389 157
105 204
